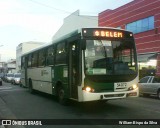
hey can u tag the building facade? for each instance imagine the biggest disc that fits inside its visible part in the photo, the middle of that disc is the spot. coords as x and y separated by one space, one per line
142 17
74 22
23 48
3 68
7 67
11 66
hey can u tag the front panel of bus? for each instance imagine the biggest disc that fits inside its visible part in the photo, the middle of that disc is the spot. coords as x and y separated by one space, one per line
109 65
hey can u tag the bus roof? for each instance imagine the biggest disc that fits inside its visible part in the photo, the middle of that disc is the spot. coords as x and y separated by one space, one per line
53 42
73 33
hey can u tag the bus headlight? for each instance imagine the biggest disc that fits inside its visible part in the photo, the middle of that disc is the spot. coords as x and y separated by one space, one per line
133 87
88 89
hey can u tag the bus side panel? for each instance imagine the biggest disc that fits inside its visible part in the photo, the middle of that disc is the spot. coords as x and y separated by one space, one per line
60 78
41 79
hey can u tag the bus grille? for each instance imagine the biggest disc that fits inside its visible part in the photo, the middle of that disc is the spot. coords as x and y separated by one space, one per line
114 95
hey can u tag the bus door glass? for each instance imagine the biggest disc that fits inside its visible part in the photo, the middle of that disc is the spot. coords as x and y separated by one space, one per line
24 70
73 69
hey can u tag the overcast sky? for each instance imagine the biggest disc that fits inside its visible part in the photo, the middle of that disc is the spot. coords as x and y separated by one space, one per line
38 20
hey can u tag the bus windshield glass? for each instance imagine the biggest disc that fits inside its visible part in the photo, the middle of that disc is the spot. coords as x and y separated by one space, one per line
108 57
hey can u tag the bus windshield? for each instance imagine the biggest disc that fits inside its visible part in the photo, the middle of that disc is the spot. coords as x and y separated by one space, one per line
108 57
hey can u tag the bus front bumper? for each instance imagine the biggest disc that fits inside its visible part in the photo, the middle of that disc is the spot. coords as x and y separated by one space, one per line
91 96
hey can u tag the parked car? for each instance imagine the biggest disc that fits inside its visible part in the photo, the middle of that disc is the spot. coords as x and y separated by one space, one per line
4 77
16 78
149 85
0 81
9 77
1 75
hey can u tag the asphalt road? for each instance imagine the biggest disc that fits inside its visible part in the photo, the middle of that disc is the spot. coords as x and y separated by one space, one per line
18 103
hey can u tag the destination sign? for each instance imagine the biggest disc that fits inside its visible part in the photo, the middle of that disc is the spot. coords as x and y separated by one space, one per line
107 33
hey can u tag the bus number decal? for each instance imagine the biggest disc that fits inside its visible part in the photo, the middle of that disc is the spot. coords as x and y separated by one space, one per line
120 85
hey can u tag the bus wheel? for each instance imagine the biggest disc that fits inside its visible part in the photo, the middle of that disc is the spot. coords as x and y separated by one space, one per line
30 87
61 96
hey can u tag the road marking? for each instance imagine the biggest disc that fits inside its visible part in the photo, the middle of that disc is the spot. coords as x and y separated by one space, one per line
3 88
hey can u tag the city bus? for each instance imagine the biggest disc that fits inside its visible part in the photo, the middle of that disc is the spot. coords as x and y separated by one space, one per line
89 64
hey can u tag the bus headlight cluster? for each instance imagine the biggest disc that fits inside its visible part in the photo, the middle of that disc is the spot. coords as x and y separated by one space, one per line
88 89
133 87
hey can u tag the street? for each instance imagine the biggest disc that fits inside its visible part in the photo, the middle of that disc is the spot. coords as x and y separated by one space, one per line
18 103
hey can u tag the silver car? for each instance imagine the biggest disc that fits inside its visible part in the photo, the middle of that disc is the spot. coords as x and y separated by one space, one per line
149 85
16 78
9 77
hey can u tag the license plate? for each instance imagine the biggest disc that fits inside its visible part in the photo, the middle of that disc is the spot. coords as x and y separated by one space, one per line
120 85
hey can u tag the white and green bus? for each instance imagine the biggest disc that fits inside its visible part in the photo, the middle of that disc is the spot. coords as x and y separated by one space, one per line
89 64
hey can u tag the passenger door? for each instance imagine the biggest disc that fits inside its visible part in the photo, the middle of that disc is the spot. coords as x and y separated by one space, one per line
73 68
24 71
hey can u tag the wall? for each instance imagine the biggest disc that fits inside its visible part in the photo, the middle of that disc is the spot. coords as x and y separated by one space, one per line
75 21
146 42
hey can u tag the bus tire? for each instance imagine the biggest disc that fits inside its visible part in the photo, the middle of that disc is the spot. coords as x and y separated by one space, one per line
61 96
30 87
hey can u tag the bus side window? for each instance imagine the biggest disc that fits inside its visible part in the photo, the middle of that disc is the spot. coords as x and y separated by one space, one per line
50 56
61 57
23 63
34 60
29 60
41 58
